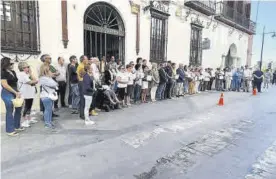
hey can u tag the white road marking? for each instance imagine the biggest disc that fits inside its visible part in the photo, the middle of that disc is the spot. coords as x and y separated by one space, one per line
142 138
181 125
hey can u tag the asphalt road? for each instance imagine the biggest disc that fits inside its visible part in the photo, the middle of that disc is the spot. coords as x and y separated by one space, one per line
190 138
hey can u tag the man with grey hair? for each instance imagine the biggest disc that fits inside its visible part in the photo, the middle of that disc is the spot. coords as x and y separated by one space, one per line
45 60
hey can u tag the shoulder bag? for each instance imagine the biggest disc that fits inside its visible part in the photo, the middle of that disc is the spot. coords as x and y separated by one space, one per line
53 96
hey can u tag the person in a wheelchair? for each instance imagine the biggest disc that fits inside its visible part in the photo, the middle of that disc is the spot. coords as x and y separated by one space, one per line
106 98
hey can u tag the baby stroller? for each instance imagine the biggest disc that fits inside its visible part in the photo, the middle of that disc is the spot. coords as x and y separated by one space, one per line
105 99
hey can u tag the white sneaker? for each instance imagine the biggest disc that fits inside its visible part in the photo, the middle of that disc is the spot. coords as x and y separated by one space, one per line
89 122
92 122
32 121
25 123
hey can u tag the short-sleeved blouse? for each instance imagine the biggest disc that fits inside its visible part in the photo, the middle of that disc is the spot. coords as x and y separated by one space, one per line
10 77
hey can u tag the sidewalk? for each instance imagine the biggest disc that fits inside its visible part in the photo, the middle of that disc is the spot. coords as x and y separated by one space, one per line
36 114
126 118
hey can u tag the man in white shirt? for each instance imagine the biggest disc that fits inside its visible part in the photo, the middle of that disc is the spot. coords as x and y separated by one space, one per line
61 79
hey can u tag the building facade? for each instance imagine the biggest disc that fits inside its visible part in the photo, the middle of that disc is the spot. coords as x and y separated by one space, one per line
199 33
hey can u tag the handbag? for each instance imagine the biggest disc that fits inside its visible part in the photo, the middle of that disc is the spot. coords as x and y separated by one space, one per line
17 102
53 96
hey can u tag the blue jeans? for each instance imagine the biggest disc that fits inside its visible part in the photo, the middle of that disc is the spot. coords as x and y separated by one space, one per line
48 106
236 84
70 95
115 86
12 120
160 91
186 86
75 93
137 92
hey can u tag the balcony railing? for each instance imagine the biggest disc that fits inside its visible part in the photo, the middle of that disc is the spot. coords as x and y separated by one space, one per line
205 7
232 17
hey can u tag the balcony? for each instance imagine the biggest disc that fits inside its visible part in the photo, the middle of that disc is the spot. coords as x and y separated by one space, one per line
232 17
206 7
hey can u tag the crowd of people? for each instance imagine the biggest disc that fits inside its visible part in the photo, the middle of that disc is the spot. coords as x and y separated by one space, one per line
108 85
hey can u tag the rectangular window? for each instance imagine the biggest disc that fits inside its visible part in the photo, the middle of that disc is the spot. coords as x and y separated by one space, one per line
196 45
19 27
158 39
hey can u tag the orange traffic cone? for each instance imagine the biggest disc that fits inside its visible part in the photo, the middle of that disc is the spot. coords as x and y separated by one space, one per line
254 91
221 102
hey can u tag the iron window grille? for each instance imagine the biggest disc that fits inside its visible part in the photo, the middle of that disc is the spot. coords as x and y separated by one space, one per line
158 39
20 27
196 45
104 32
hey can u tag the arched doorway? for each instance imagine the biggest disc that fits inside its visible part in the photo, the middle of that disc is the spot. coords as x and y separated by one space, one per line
104 32
231 56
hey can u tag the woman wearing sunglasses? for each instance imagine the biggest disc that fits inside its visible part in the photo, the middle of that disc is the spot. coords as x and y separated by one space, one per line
26 85
10 92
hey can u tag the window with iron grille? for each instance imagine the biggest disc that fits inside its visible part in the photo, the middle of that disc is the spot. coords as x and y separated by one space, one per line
158 39
196 45
19 27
